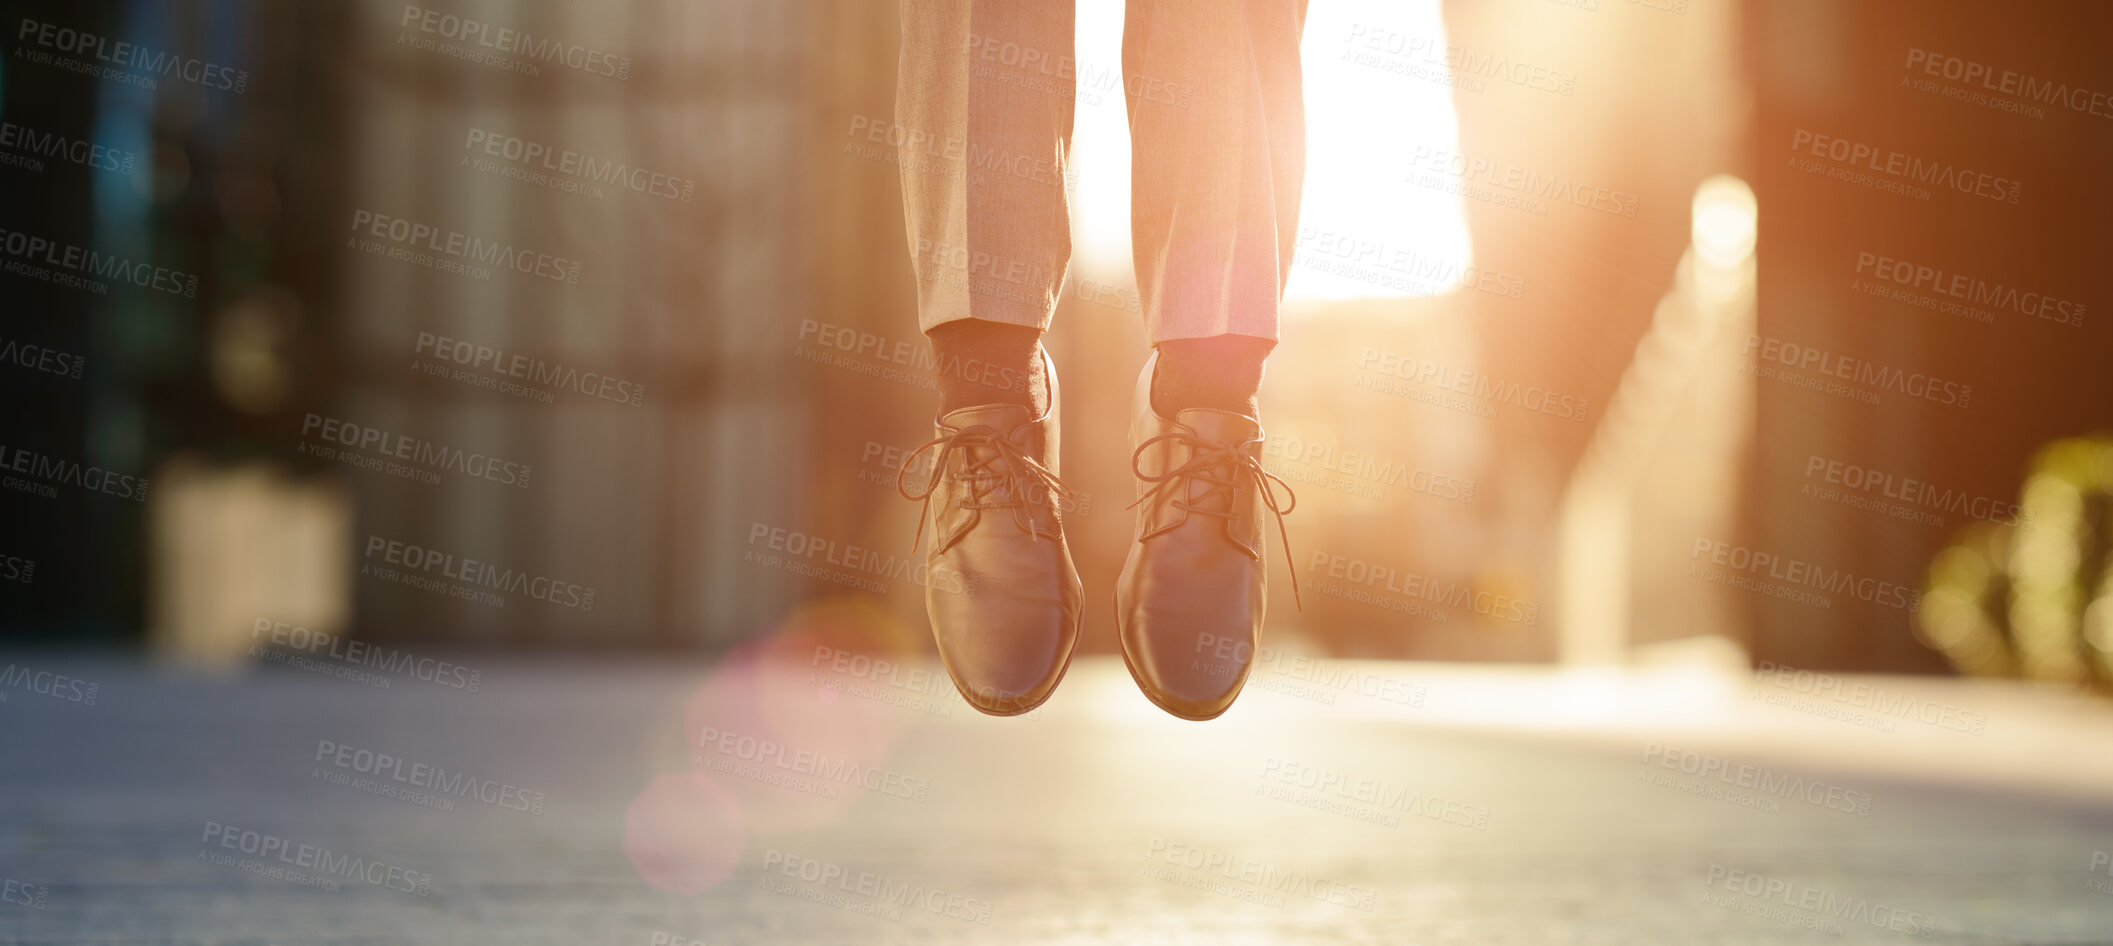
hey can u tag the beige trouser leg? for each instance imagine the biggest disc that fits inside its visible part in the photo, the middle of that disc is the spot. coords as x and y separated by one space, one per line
984 97
984 104
1218 155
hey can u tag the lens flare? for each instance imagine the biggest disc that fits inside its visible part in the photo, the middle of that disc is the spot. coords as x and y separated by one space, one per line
683 833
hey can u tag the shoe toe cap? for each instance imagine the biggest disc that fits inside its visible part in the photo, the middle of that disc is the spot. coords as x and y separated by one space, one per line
1192 663
1007 647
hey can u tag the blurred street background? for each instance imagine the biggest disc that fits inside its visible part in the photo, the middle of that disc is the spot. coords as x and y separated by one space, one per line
1700 415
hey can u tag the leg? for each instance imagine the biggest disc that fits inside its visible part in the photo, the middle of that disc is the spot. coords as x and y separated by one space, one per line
983 104
984 107
1218 141
1217 130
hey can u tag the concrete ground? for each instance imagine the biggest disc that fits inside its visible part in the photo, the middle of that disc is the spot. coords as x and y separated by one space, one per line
786 796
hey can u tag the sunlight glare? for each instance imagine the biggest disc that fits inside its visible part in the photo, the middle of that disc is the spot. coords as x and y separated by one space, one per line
1376 90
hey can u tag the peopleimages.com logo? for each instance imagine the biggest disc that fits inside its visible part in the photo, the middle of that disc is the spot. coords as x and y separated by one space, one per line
1848 376
1796 575
428 455
45 470
410 779
40 358
83 268
1476 385
817 766
513 42
57 686
31 145
483 361
1754 778
306 864
1819 903
452 250
1512 185
535 161
298 639
1854 157
872 889
33 896
1884 703
132 57
1969 288
416 562
2009 82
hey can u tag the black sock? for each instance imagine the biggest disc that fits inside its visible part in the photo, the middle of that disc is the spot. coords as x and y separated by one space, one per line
1222 371
981 363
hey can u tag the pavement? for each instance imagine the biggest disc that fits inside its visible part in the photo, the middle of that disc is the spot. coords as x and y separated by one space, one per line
802 791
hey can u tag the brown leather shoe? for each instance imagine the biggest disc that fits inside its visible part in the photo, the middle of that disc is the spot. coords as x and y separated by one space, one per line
1006 630
1190 600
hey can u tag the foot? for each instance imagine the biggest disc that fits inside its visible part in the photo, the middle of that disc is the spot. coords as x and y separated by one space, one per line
1007 627
1190 599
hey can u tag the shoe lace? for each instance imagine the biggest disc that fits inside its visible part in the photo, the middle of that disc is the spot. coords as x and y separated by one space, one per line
1219 465
992 461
